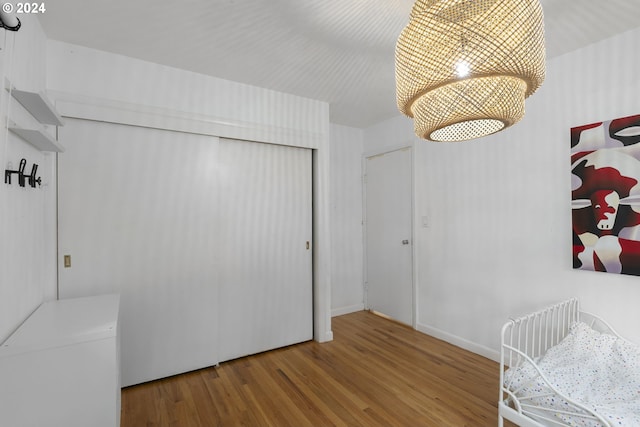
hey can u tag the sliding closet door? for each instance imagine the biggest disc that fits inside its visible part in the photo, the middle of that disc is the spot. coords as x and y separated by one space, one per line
208 242
266 279
137 214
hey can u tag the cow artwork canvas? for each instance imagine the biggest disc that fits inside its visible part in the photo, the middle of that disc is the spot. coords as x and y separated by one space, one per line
605 196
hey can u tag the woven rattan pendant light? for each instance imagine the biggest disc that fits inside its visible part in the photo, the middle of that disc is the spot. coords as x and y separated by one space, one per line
465 67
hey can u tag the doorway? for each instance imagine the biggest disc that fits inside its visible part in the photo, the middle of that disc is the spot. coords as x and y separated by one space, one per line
388 233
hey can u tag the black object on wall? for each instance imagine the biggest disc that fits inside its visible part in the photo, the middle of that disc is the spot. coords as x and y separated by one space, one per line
7 20
22 177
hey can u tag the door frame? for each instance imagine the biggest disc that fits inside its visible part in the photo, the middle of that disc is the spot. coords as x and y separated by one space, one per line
380 152
309 153
133 114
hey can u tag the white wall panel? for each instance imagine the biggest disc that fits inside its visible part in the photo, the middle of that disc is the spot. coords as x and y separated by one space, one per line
92 77
346 213
498 236
27 215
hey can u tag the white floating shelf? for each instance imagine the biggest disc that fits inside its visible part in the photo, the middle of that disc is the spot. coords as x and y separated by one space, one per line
38 106
38 139
41 109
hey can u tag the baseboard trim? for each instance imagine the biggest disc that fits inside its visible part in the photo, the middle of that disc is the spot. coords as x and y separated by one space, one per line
460 342
346 310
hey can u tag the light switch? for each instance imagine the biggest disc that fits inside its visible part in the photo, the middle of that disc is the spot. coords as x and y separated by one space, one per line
425 221
67 261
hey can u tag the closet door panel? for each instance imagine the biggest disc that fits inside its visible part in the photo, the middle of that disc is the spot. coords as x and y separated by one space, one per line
137 214
266 279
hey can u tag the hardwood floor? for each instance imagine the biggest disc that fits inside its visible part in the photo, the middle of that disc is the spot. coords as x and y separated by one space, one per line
375 372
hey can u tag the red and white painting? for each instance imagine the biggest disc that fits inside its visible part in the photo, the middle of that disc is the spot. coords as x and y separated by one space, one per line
605 196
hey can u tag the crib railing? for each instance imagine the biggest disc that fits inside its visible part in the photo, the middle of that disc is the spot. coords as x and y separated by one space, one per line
533 334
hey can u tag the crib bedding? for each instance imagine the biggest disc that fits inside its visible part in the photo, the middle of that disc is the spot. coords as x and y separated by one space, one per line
598 370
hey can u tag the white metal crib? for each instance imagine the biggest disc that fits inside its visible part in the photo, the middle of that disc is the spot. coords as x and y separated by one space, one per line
524 340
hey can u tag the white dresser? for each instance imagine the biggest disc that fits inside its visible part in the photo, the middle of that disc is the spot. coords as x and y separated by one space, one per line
61 367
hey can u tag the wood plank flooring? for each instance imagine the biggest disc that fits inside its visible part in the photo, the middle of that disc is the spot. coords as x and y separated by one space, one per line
375 372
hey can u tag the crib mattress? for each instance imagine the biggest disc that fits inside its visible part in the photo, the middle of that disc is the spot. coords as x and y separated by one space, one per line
598 370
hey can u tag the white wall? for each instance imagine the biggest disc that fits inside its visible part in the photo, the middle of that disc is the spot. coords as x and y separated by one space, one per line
346 220
91 84
499 237
27 215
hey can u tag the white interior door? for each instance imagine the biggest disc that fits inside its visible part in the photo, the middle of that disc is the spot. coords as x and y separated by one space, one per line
388 234
136 209
266 283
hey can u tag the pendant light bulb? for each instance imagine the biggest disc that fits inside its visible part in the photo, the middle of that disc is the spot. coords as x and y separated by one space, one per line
462 69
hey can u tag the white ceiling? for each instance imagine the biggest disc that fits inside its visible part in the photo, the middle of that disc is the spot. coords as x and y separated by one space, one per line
339 51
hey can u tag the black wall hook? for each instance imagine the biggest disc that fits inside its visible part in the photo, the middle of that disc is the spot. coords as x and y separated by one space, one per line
32 178
20 172
22 177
